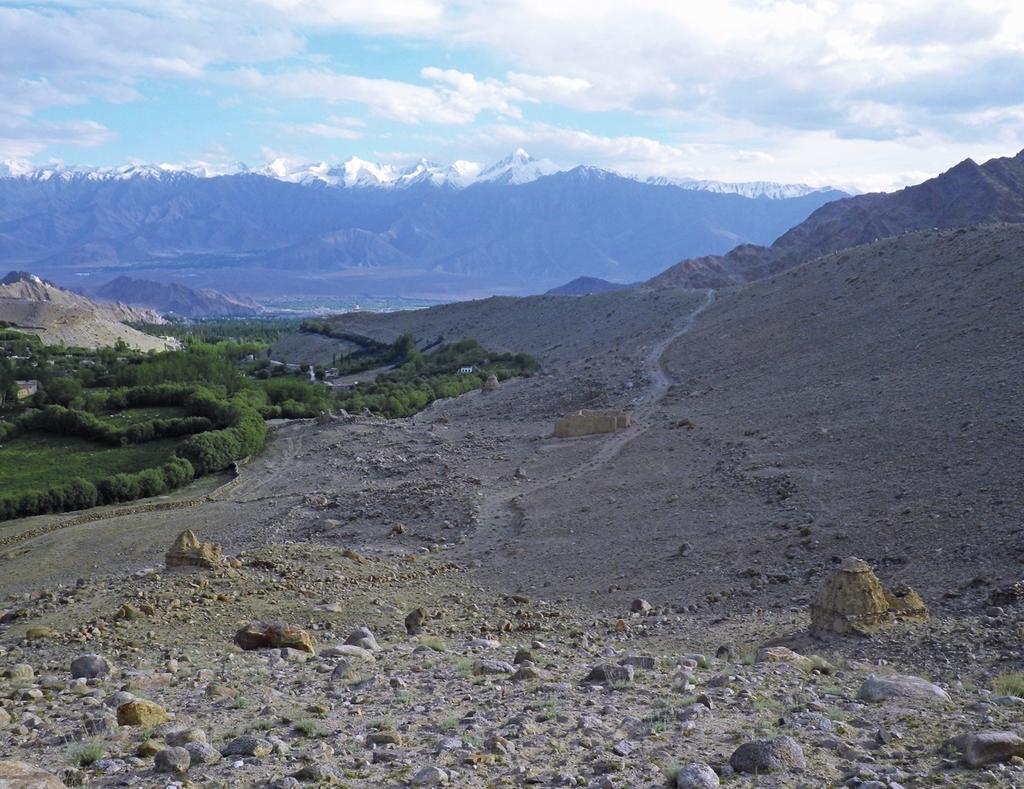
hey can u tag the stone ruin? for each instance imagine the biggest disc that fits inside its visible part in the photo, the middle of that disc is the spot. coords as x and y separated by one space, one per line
188 551
591 422
854 601
491 384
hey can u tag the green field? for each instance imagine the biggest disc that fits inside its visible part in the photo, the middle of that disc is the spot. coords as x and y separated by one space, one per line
37 461
133 416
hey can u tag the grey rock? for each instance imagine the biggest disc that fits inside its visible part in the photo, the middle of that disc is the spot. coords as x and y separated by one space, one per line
172 760
766 756
899 686
485 667
639 661
607 673
363 637
696 775
248 745
202 753
430 776
987 747
89 667
182 737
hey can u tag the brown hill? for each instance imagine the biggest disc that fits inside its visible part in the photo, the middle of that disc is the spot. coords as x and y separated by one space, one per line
60 316
967 194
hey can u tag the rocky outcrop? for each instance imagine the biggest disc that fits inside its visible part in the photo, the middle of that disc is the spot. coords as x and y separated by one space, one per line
188 551
274 635
853 601
20 775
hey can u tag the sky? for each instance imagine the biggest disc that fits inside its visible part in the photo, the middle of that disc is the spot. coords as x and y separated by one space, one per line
864 95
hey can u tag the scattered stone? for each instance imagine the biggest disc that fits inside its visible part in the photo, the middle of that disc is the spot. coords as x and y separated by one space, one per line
172 760
896 686
987 747
274 635
766 756
89 667
182 737
485 667
248 745
20 775
349 651
20 672
430 776
202 753
607 673
802 662
697 775
188 551
362 637
141 712
640 661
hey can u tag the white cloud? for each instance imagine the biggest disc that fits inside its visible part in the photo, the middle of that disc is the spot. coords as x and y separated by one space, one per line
22 138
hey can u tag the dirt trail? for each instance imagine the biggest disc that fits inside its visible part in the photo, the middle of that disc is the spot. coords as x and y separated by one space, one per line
505 503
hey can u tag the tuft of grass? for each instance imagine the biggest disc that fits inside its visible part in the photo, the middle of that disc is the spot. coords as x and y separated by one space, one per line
87 753
309 728
1009 684
435 643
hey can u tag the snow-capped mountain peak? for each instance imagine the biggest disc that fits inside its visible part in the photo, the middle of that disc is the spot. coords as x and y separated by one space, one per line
519 167
753 189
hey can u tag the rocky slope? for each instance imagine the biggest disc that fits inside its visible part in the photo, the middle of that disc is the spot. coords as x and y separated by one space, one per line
167 298
60 316
604 611
966 194
23 286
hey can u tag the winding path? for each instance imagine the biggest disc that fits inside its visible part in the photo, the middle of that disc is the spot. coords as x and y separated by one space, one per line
612 446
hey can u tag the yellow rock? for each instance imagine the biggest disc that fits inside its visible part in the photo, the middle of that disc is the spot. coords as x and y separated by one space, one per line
140 712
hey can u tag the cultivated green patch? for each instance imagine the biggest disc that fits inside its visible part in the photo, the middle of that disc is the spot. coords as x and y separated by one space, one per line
38 461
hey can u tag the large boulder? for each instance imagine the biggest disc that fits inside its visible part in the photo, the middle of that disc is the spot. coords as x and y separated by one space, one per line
141 712
188 551
697 775
274 635
89 667
19 775
986 747
899 686
768 756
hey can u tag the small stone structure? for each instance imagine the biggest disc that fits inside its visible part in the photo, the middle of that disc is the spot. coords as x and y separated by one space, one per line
188 551
591 422
26 388
491 384
854 601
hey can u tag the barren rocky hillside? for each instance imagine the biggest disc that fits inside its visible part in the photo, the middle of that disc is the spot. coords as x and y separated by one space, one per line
966 194
651 607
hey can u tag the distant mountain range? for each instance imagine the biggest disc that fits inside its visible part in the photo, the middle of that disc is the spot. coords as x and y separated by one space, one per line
520 225
355 173
171 298
967 194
